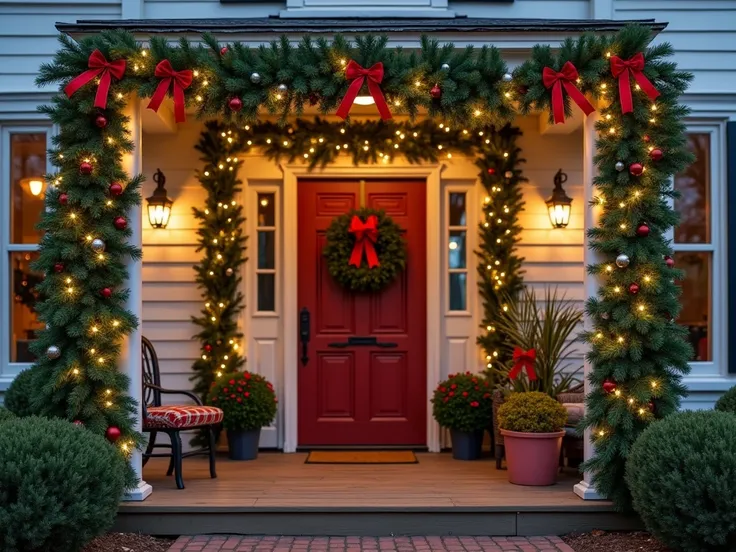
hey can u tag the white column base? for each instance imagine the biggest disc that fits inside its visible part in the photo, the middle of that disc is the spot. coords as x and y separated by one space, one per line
587 492
139 493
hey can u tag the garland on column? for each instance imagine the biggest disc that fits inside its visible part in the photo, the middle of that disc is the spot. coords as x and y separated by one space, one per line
219 273
500 277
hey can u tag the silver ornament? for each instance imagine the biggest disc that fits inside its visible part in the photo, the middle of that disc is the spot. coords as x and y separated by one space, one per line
508 174
605 316
622 261
255 78
283 88
620 166
445 67
507 77
229 272
98 245
53 352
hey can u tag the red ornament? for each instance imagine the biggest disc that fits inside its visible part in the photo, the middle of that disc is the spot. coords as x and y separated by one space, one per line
522 90
63 199
636 169
646 138
609 386
101 121
223 50
314 99
120 223
656 154
669 261
651 406
235 104
78 423
106 293
113 434
85 167
208 347
436 92
633 288
642 230
115 189
59 268
491 170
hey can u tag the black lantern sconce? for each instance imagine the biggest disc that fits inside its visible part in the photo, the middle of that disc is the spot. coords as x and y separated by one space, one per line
159 205
559 204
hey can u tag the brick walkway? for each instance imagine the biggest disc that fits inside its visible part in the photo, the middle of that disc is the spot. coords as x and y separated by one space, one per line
224 543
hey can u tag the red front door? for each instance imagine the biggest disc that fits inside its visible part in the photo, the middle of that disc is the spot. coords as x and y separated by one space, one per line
362 395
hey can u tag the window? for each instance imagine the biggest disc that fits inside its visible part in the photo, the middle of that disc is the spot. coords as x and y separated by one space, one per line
457 255
23 187
266 266
696 243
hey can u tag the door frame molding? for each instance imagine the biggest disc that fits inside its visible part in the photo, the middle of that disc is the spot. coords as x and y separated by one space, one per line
292 173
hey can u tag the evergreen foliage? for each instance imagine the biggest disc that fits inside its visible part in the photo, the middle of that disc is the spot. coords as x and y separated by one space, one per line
60 485
681 475
18 397
6 414
248 400
727 402
531 412
634 342
219 274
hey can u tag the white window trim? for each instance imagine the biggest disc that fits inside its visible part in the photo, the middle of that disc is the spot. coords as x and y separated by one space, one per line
9 370
253 229
470 229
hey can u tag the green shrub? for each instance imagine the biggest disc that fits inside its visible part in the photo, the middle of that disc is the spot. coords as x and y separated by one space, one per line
6 414
533 412
248 400
60 485
727 403
681 473
18 396
463 402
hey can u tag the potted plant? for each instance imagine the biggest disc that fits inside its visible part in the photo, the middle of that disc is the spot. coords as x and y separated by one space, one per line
532 427
462 404
249 402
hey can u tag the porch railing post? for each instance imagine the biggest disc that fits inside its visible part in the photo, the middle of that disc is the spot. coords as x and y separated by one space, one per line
131 357
585 489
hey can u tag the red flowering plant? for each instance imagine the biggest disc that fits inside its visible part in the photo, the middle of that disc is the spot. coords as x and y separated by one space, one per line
248 400
463 402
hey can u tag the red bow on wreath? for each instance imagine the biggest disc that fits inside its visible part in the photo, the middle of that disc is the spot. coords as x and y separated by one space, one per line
524 360
556 80
366 234
621 70
181 80
358 75
98 66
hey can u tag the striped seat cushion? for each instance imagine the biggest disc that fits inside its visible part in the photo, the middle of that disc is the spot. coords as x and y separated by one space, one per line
181 417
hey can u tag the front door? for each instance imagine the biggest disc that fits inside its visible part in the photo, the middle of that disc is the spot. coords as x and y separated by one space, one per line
362 395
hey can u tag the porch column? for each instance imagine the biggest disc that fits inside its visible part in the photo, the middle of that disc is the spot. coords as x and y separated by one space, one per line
584 489
131 363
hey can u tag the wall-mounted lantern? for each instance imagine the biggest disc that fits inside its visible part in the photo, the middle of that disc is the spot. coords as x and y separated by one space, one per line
159 205
559 204
34 185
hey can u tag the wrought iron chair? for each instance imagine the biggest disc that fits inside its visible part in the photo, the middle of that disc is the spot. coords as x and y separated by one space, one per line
172 419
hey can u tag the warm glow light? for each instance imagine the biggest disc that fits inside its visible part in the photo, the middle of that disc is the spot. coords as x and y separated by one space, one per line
365 100
35 185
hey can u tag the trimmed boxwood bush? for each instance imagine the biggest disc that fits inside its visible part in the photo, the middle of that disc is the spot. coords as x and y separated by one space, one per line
727 403
531 412
682 476
18 396
5 414
60 485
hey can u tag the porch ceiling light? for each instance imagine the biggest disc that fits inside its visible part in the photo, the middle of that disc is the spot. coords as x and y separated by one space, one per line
34 185
559 204
365 100
159 205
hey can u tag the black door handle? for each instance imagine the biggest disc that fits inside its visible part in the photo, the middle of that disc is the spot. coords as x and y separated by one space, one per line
304 333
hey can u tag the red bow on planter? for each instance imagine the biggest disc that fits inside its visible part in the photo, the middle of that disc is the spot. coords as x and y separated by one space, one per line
181 80
358 75
621 70
556 80
98 66
524 360
366 234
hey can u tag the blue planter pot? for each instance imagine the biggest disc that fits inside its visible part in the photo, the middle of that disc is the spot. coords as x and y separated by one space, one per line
466 445
243 445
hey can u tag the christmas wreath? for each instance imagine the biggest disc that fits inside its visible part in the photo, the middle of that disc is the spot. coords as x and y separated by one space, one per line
365 250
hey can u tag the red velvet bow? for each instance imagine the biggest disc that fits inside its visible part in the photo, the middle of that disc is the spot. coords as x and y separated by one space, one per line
567 77
621 70
98 65
524 360
366 234
358 75
181 80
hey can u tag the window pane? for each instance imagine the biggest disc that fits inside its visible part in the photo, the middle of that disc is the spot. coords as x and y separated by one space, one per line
457 209
266 249
27 185
267 292
457 249
696 300
266 210
694 187
458 284
23 297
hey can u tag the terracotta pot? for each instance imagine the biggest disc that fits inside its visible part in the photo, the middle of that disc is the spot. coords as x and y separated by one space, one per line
532 458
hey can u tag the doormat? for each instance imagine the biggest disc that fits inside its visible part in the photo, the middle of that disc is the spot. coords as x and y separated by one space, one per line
361 457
